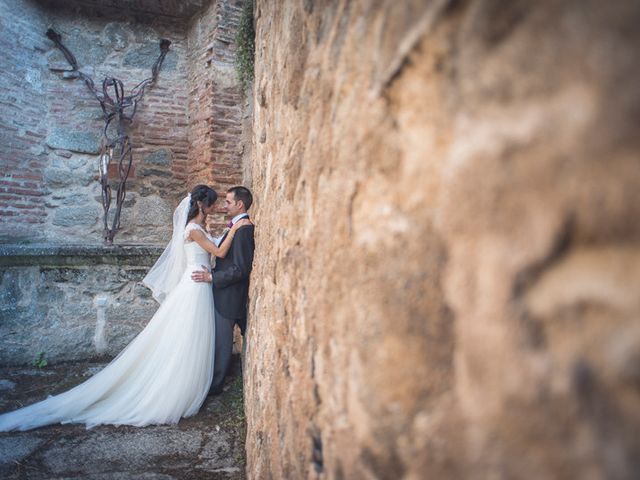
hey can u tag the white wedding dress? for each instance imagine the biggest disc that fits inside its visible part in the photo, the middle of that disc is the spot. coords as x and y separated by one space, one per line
162 375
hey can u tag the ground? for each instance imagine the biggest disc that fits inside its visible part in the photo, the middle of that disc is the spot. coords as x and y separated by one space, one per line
209 445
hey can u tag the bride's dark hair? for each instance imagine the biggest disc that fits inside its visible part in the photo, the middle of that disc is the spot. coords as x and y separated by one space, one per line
200 193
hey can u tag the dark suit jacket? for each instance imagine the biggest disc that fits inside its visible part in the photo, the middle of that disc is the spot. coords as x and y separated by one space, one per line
231 277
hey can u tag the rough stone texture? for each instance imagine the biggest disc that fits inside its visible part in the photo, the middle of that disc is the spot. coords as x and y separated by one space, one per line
14 449
81 142
22 126
129 48
51 133
70 216
448 254
51 148
208 445
48 301
171 8
215 101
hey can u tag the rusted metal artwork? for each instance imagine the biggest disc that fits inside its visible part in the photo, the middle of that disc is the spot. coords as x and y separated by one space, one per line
119 110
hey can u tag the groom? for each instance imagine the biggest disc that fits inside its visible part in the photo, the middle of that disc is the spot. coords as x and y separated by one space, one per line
230 280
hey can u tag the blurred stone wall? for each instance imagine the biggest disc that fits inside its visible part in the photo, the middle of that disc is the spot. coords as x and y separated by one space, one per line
448 247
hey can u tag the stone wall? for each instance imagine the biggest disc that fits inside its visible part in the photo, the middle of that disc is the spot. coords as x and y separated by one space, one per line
186 129
22 126
215 100
114 45
49 140
448 254
72 303
106 42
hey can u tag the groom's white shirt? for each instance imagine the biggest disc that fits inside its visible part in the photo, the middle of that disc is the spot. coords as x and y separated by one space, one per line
235 219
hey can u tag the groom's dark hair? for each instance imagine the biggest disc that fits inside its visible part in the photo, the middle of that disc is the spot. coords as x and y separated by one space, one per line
243 194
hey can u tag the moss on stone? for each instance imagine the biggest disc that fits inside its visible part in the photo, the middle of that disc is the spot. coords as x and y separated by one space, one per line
245 42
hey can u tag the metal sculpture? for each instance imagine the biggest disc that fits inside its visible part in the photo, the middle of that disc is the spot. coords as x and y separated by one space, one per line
115 108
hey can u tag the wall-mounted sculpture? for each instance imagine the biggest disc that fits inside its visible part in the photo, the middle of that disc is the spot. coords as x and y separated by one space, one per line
118 110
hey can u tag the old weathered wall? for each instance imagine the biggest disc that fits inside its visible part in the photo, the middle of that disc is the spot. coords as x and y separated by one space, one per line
72 303
66 138
22 127
187 130
112 44
448 254
215 146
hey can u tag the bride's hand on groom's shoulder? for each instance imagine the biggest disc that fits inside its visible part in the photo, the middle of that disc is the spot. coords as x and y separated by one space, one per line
241 223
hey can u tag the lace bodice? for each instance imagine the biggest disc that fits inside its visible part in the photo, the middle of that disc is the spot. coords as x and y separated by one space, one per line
195 254
194 226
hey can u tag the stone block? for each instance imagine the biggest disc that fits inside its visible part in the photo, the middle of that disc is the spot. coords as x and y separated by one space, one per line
75 141
6 385
14 449
146 55
154 172
161 157
85 216
120 451
87 50
149 211
116 36
48 300
56 178
75 197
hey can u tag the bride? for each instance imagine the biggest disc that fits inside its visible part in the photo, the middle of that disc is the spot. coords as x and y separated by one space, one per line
165 372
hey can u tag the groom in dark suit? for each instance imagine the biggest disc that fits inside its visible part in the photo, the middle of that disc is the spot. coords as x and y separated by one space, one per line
230 280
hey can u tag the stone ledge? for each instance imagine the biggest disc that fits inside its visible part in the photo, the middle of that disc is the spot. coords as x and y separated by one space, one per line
14 255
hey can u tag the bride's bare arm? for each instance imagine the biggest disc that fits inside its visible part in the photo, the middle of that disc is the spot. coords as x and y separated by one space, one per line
201 239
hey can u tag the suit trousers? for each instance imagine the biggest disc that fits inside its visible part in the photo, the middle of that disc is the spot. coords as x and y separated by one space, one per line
224 348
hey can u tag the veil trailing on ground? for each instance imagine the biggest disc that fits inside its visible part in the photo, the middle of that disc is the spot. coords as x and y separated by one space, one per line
167 271
164 373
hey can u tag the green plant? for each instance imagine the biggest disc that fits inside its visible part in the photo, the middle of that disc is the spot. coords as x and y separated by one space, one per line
40 361
245 46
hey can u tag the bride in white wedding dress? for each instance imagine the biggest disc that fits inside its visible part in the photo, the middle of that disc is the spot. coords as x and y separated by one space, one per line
165 372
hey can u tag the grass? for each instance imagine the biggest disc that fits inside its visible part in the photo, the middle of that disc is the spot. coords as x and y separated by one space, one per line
40 361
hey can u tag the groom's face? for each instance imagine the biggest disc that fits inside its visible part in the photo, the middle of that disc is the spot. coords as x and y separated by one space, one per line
231 205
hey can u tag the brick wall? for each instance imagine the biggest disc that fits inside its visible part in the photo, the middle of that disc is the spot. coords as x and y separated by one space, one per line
107 43
22 129
186 130
215 101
